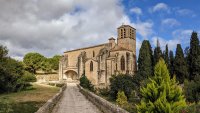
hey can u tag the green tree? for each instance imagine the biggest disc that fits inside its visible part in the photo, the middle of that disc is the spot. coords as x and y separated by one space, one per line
162 94
122 99
55 62
145 61
194 53
45 65
180 66
171 63
11 72
85 83
192 90
157 53
121 82
3 52
166 56
33 61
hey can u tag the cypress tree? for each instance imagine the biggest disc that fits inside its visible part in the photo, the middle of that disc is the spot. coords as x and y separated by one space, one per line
171 63
157 53
180 66
166 55
145 63
194 53
162 94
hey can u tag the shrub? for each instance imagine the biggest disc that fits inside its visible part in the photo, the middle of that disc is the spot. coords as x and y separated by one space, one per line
85 83
28 77
192 90
104 91
122 99
193 108
134 98
121 83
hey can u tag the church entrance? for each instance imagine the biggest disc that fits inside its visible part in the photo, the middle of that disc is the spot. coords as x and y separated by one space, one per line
71 75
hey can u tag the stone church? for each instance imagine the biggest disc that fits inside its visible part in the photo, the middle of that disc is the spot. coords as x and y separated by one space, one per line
99 62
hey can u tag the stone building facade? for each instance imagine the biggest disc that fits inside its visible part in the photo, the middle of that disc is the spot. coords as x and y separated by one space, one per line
99 62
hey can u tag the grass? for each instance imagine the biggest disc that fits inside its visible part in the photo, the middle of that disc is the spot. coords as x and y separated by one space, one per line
27 101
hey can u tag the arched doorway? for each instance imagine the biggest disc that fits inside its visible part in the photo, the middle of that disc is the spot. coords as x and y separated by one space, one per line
71 75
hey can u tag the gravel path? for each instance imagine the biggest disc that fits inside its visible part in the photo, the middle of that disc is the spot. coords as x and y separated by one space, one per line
74 102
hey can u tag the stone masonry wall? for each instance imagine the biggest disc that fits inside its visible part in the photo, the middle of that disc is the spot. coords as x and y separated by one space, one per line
101 103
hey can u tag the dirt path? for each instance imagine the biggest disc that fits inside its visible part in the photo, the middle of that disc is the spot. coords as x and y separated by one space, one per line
74 102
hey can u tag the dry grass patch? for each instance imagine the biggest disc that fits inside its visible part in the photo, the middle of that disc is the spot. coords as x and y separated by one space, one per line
27 101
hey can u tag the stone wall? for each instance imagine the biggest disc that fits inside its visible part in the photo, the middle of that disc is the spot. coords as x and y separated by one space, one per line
101 103
47 77
48 106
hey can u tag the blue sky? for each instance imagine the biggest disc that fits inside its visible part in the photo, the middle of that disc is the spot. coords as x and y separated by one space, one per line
171 19
51 27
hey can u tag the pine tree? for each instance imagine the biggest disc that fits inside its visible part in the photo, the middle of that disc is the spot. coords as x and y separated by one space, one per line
145 60
157 53
180 66
162 94
171 63
194 53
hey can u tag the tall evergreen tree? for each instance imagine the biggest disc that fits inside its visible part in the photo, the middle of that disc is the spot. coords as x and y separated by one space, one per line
157 53
162 94
166 55
171 63
180 66
145 63
194 53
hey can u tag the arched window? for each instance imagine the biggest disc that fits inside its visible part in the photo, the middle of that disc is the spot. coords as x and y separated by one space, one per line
91 66
122 63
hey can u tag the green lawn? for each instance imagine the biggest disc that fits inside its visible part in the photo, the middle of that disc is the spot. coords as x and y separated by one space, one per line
26 101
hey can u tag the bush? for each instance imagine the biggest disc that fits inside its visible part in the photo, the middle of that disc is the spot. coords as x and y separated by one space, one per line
192 90
134 98
104 91
193 108
56 84
121 83
85 83
28 77
122 99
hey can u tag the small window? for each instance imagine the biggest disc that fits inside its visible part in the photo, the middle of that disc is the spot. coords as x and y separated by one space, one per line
123 63
93 54
91 66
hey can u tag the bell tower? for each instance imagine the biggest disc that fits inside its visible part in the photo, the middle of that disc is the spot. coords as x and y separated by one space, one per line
127 37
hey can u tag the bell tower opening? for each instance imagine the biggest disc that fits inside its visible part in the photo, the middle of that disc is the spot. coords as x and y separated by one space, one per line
126 37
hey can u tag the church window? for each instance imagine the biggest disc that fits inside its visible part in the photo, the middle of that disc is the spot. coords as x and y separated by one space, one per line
122 63
93 54
91 66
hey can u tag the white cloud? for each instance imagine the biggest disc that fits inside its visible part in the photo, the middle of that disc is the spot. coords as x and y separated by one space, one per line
136 10
186 12
183 35
52 27
160 7
171 43
144 28
170 22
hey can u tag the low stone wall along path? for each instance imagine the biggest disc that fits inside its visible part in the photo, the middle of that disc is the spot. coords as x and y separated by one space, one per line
74 102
